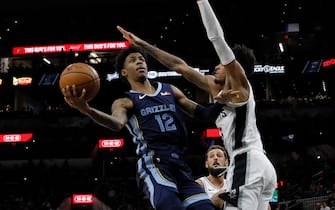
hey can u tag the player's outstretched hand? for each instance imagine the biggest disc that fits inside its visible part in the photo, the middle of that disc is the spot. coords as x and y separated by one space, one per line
225 96
132 38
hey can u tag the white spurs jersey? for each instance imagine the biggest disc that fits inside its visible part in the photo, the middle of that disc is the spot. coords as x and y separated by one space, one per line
210 188
237 122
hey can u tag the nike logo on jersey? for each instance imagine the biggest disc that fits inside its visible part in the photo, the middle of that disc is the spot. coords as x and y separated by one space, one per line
141 96
166 93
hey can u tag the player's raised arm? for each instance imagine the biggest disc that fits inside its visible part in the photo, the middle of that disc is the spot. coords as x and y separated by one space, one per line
170 61
215 33
206 114
235 78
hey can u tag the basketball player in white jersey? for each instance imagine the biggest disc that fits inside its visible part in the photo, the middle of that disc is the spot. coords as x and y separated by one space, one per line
251 177
216 161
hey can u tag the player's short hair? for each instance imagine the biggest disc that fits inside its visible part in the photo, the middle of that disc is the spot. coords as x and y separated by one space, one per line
216 146
245 56
121 57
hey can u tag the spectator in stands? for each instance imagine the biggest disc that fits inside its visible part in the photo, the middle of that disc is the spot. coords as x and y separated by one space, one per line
331 200
324 206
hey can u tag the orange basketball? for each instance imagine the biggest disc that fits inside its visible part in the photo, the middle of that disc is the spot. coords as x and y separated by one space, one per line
83 76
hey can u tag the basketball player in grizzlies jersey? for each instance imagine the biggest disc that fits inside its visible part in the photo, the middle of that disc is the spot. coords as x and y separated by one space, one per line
251 177
152 114
216 161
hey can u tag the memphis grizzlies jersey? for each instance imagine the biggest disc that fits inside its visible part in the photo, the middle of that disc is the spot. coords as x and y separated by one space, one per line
237 122
156 122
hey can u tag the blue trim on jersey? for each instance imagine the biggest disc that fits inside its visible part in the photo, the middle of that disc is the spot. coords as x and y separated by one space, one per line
146 177
194 198
135 130
142 96
147 163
151 175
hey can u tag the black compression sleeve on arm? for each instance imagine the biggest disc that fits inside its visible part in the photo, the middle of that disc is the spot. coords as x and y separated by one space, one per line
208 114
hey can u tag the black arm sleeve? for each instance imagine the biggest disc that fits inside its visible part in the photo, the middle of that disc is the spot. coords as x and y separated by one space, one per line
208 114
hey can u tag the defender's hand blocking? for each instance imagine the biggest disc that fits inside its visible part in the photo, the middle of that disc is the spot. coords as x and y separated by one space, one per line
226 96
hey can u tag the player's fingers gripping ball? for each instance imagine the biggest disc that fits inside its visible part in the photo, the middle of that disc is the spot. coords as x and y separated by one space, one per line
83 76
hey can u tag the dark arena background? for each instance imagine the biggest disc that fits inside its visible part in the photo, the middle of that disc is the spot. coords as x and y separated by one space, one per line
53 157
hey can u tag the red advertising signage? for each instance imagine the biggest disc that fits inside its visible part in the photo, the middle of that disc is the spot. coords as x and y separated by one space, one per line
210 133
111 143
82 199
328 62
97 46
22 81
15 138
